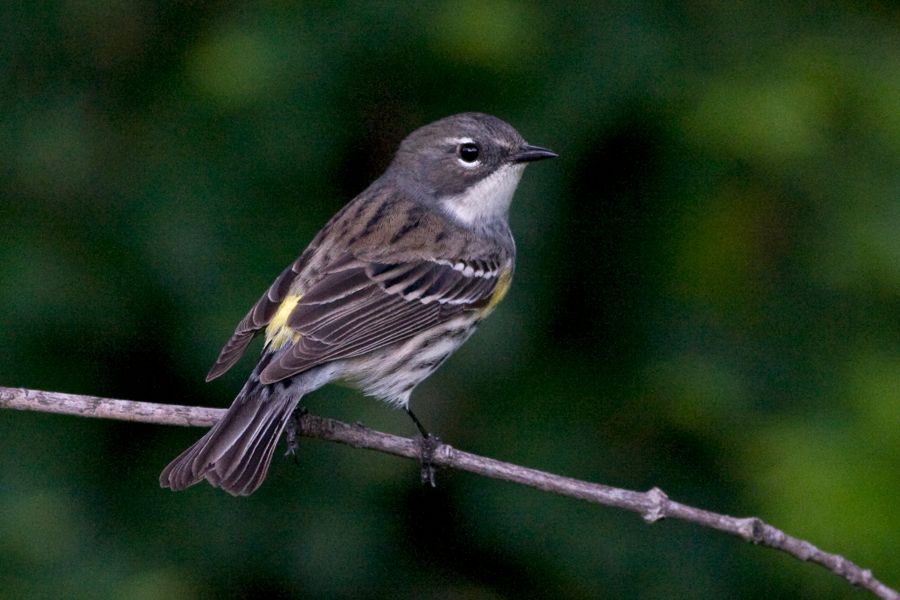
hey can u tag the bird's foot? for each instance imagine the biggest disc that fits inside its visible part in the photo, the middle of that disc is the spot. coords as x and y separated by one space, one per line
428 444
292 433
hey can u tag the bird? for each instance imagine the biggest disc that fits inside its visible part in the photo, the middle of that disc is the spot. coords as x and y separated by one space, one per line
387 290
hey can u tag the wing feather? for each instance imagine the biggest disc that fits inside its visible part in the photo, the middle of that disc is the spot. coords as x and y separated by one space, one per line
256 318
365 306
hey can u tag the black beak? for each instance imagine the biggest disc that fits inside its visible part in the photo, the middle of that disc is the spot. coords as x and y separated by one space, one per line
530 153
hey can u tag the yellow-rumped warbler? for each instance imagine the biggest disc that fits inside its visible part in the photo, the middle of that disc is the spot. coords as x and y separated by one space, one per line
387 290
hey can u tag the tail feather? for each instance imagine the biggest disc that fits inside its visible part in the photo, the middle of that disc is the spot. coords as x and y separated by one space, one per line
246 464
236 452
249 473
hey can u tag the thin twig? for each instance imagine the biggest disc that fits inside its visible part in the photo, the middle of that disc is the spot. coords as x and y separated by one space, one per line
652 505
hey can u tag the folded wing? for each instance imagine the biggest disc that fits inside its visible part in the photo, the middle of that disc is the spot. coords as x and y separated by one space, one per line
256 319
361 306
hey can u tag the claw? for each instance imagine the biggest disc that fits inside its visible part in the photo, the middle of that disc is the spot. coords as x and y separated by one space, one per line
291 434
427 447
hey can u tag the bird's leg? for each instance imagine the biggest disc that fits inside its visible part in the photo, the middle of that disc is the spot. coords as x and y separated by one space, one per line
418 423
428 444
291 435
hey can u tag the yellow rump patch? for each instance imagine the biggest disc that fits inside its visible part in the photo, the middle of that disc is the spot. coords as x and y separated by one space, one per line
503 284
278 334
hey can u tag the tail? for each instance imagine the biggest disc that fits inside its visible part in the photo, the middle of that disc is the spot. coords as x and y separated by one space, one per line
235 454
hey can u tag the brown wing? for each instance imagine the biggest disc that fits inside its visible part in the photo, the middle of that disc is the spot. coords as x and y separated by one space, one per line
364 306
257 318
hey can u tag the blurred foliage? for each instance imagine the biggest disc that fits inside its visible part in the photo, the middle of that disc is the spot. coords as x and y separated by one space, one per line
707 297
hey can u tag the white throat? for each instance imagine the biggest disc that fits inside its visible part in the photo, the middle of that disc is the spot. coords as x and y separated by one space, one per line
487 200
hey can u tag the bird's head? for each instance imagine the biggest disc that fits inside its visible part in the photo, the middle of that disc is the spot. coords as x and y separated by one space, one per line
469 164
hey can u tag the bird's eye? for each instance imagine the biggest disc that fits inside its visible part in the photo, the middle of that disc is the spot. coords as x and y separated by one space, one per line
468 152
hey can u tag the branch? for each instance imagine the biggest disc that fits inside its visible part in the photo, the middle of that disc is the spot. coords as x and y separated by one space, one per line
652 505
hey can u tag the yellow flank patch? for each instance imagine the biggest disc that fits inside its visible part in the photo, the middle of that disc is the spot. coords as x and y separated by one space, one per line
278 334
503 283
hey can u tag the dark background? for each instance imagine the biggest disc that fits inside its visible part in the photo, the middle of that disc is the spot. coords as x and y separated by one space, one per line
706 299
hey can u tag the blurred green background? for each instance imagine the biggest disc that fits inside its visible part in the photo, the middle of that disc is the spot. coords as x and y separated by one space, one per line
707 296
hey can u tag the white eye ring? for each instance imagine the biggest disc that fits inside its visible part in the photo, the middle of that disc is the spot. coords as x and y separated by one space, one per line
468 153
